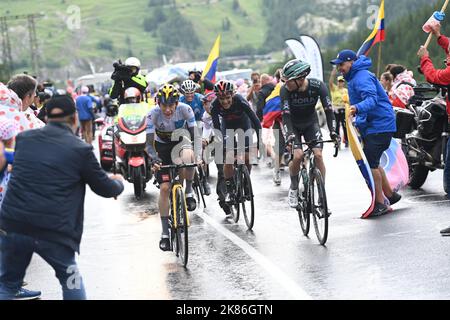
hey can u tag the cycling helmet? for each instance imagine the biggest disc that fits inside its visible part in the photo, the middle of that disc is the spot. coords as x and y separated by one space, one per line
132 92
112 108
168 94
224 87
133 62
188 86
295 69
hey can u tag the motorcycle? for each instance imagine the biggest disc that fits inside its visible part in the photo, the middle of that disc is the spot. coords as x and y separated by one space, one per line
129 140
423 129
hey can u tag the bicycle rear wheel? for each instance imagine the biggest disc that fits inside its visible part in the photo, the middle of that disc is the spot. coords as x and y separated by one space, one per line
319 207
303 208
246 195
181 227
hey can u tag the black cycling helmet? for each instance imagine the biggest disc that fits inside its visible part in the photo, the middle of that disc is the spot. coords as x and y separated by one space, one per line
223 88
168 94
295 69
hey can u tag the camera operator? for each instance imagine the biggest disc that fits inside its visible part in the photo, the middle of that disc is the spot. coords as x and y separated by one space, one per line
125 76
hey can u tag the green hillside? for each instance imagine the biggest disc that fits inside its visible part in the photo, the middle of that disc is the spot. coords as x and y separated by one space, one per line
112 28
184 30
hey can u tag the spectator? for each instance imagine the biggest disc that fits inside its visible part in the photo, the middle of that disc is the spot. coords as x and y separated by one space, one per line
10 106
440 77
375 120
205 84
389 67
254 89
85 114
386 80
339 97
25 88
266 89
402 86
8 131
44 98
37 102
43 209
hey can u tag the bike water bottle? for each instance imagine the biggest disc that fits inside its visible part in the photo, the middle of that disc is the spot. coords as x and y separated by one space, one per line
434 20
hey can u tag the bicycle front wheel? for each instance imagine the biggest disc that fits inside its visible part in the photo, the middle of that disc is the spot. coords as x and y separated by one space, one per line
198 189
247 201
235 208
181 226
303 208
319 206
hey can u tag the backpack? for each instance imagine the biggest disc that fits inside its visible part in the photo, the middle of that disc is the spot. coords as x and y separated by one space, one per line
432 118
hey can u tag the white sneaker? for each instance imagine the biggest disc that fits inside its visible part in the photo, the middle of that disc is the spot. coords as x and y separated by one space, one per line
276 176
293 198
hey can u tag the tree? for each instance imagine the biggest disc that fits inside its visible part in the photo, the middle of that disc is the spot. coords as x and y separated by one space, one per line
236 6
177 32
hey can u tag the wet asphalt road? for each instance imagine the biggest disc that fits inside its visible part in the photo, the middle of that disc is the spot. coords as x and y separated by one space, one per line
397 256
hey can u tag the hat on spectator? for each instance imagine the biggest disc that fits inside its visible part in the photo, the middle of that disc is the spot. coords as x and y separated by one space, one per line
343 56
65 103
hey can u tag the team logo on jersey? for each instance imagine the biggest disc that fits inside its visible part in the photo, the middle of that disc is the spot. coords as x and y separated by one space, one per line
180 124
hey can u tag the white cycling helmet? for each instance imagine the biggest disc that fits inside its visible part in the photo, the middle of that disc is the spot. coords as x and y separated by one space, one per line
132 92
133 62
188 86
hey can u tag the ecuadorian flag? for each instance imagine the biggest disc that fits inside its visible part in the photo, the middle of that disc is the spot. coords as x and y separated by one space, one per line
377 34
211 65
272 108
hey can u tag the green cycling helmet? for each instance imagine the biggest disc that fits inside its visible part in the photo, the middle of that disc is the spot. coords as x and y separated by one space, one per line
295 69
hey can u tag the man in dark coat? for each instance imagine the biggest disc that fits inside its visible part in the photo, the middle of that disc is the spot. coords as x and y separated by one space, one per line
43 210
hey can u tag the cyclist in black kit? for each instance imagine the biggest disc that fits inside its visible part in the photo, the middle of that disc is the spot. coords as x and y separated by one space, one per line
299 97
235 113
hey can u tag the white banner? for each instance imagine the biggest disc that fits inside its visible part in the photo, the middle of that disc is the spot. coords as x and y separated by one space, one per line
307 49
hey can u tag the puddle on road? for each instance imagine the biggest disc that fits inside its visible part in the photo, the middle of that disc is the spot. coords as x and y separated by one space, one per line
428 198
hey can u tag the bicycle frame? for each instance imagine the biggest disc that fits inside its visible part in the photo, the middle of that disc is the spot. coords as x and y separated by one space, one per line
175 181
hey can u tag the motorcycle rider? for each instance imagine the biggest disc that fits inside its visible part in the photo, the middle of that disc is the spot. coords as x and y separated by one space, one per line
132 95
125 76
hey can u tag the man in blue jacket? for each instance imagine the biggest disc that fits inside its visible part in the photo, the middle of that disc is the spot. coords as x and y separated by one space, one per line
43 210
375 120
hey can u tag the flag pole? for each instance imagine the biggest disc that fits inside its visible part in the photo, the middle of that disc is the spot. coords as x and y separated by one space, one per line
427 43
379 60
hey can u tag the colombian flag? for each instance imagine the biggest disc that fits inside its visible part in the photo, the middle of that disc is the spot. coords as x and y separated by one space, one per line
272 108
377 34
211 65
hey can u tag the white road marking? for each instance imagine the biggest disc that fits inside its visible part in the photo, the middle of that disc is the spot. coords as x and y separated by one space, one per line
287 283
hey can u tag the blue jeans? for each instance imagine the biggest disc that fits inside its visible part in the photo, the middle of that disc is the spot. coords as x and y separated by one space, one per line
447 170
16 251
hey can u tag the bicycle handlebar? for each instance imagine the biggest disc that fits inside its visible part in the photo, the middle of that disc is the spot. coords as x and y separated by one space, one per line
313 142
179 166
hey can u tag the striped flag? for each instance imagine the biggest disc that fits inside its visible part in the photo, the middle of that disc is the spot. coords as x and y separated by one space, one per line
272 108
377 34
211 64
